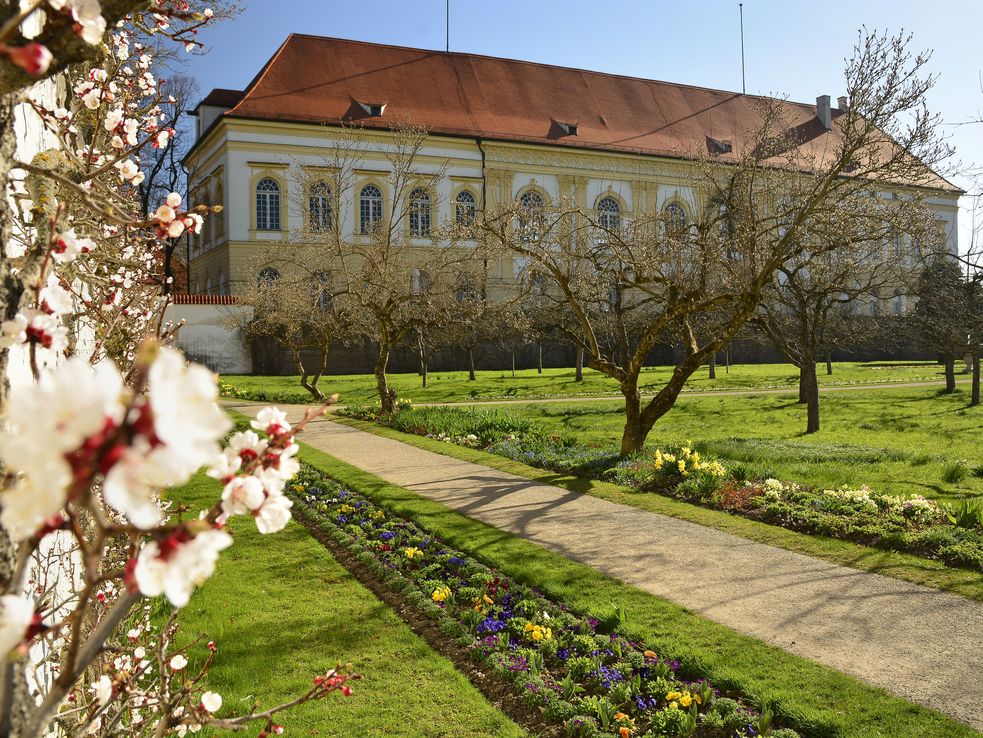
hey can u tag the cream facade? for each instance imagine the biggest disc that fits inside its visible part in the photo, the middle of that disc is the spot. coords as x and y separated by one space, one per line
236 155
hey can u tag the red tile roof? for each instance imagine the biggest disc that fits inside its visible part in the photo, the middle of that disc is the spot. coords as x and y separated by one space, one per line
323 80
222 98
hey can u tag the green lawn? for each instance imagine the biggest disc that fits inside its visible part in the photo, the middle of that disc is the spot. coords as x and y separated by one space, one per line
455 387
281 610
823 702
900 441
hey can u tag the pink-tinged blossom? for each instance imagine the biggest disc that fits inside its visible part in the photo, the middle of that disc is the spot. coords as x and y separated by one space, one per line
68 246
274 514
272 421
102 690
176 565
56 300
242 495
16 619
33 58
165 214
178 662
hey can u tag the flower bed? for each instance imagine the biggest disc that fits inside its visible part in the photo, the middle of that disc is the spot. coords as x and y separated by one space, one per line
913 524
575 671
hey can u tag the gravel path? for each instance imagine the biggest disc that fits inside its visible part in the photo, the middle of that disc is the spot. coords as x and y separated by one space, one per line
918 643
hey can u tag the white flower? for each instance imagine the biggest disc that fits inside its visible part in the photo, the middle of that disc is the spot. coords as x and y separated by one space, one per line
113 118
242 495
57 299
174 200
165 214
274 515
175 571
178 662
225 465
44 422
187 418
16 616
271 420
139 653
247 445
103 690
131 484
211 701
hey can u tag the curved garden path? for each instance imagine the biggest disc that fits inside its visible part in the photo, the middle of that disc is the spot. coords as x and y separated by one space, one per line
917 643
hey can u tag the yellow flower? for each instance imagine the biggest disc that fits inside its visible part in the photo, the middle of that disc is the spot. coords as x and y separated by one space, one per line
699 700
298 488
649 654
682 466
441 594
489 600
413 553
686 700
673 705
673 696
619 716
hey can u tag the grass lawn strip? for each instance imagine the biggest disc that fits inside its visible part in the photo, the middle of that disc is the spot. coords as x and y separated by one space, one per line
529 384
819 701
915 569
281 609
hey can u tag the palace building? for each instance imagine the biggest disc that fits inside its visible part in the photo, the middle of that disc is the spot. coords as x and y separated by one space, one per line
499 129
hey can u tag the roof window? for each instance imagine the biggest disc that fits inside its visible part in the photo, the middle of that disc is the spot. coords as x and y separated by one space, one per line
570 129
374 110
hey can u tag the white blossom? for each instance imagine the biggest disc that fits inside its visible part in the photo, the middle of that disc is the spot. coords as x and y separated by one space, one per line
176 570
211 701
16 616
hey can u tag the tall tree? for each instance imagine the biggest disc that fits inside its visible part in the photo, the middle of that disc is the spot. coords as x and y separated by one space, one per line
941 319
768 201
812 305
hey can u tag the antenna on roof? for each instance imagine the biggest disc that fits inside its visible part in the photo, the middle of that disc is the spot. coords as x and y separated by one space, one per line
447 25
740 7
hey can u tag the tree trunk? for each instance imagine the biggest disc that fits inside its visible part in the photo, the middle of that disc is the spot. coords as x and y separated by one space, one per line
512 354
974 398
309 386
812 397
15 700
424 369
539 358
950 374
633 437
727 359
713 367
471 376
579 375
387 397
804 382
829 363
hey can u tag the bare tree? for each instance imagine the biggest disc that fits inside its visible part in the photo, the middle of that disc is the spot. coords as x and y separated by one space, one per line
767 202
941 319
296 301
401 269
812 306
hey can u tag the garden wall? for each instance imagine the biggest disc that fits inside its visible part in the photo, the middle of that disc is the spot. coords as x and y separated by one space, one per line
205 338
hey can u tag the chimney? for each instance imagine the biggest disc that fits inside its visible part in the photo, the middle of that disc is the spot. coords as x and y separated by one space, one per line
843 102
823 111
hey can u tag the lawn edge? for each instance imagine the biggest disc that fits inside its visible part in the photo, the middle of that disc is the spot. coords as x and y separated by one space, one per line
897 565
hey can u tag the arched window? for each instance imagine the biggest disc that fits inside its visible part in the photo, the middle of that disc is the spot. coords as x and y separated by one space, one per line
465 208
897 303
419 213
267 205
675 218
219 218
267 277
319 207
370 208
419 282
530 215
609 214
321 287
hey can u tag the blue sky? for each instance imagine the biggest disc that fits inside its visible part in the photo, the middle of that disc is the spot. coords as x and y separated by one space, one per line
792 48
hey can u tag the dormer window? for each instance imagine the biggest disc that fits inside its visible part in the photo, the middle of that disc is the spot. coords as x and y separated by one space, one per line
570 129
719 147
375 110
